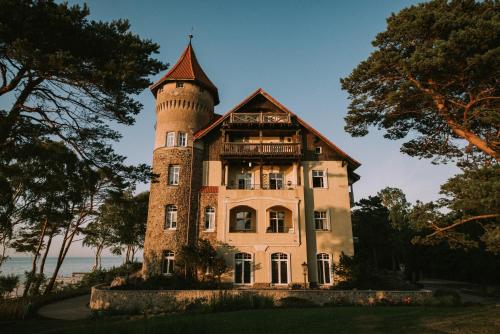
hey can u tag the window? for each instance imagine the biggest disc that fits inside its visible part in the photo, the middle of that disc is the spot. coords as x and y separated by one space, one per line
245 181
170 139
244 221
318 150
242 268
209 218
321 220
167 267
276 222
324 271
319 179
275 180
179 84
173 174
279 268
171 217
182 139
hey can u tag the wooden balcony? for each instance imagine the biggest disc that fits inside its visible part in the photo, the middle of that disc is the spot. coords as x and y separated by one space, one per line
259 118
279 150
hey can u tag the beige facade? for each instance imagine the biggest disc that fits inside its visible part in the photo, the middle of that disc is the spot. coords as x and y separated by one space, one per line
270 192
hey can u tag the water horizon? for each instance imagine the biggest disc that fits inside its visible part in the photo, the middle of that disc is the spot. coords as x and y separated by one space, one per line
18 265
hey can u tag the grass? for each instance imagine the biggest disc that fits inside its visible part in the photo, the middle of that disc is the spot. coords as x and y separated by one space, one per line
472 319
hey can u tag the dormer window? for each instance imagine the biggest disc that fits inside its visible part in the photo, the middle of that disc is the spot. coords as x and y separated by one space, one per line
179 84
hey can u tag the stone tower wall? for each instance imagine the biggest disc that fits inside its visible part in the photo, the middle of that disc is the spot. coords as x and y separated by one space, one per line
178 109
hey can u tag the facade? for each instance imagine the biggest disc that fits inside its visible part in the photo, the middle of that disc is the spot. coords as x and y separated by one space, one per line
268 190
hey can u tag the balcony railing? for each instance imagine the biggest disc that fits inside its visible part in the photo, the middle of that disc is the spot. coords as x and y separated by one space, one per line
252 186
261 149
267 118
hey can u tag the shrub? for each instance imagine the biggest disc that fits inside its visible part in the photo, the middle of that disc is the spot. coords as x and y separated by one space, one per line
108 275
447 297
8 283
242 301
296 302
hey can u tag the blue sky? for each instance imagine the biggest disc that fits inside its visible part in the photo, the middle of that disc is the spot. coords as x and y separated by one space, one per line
295 50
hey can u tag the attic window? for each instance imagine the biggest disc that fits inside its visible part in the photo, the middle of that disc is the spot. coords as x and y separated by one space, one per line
318 150
179 84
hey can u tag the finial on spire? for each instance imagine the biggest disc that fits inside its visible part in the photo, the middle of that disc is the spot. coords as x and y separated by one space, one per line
190 36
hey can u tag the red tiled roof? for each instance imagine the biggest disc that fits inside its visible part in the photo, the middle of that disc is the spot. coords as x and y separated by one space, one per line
209 189
209 128
187 68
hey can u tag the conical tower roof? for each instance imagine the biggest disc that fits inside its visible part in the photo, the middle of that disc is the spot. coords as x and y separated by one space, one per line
187 68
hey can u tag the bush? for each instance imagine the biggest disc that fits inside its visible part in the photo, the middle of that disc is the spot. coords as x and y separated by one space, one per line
296 302
242 301
108 275
447 297
8 283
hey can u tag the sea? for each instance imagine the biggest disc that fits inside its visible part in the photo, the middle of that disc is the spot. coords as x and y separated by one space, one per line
19 265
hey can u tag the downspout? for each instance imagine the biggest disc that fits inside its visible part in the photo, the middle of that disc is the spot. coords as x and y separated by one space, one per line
190 191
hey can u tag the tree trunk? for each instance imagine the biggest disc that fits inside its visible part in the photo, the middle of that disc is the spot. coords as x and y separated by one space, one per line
27 285
66 243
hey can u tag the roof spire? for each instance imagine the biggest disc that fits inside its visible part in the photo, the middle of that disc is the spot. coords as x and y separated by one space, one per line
190 36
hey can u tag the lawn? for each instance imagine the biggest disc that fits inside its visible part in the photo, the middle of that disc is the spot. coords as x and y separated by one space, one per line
472 319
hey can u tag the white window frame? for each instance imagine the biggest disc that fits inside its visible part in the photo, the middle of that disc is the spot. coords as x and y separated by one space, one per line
320 261
170 140
182 139
243 260
169 260
279 268
277 177
318 150
326 220
275 220
174 175
209 219
171 217
324 176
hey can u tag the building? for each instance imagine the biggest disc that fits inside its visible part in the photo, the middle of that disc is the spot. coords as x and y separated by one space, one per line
269 190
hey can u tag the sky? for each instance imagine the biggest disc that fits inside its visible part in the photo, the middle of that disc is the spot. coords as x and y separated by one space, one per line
297 51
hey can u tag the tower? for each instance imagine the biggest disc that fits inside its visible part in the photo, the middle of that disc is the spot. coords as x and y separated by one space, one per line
185 100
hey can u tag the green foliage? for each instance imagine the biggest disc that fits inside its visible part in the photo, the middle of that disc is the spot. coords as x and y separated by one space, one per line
467 216
433 77
102 276
8 283
288 302
201 258
447 297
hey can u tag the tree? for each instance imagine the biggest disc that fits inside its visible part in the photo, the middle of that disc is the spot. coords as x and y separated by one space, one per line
127 215
98 235
201 258
433 77
467 215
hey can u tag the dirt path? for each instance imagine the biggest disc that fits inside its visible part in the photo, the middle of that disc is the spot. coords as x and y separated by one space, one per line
68 309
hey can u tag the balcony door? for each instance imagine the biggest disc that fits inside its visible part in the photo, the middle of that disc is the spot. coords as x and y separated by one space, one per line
275 180
244 181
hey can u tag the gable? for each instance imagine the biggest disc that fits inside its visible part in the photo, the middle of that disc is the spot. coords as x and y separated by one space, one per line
260 101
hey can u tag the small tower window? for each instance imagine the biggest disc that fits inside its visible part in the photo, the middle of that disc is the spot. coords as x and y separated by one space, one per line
170 139
171 217
209 218
179 84
168 263
318 150
173 175
182 139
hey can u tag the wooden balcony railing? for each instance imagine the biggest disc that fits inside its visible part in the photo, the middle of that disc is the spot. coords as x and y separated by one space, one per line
267 118
261 149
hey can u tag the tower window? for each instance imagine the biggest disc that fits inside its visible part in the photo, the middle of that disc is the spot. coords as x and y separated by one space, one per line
318 150
173 174
209 218
179 84
182 139
171 217
168 263
170 139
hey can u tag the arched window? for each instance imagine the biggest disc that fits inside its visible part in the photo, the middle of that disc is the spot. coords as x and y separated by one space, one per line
324 269
171 217
242 219
209 218
279 268
167 267
242 268
280 220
